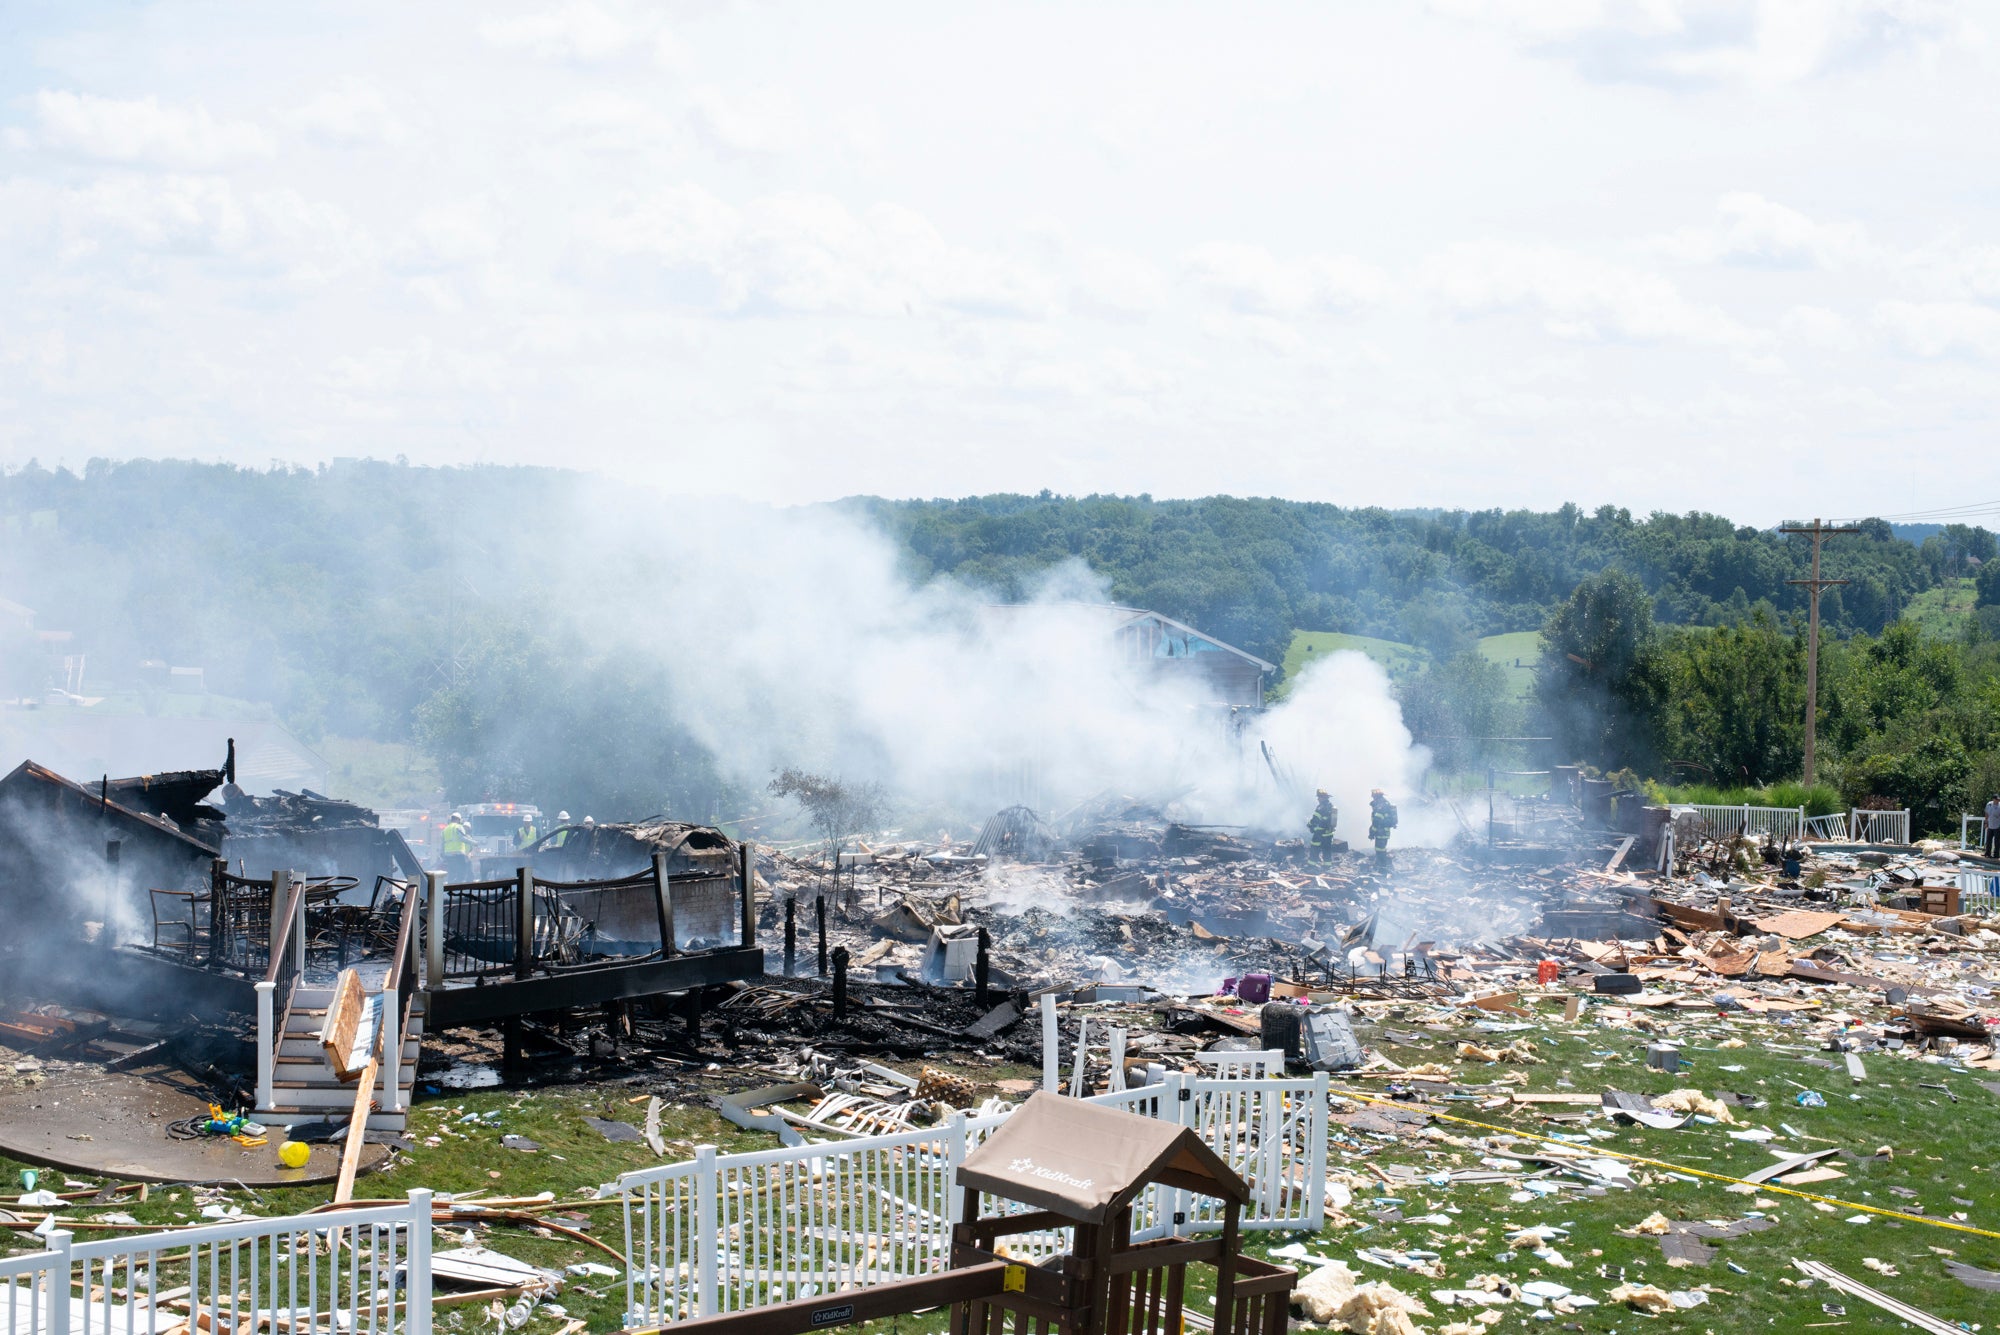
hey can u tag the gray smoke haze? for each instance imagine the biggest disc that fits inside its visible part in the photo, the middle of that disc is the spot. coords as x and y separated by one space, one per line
793 638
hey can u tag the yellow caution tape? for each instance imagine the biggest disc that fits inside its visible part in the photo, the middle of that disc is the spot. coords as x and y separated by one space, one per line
1674 1167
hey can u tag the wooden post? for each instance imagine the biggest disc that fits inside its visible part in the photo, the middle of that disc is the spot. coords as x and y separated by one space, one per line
218 908
1225 1270
749 894
982 969
1818 532
267 1041
819 908
280 893
434 928
791 936
840 958
390 1034
524 929
297 891
663 899
1051 1045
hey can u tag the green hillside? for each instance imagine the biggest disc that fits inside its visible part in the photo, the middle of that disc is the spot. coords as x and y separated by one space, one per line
1515 652
1396 658
1943 610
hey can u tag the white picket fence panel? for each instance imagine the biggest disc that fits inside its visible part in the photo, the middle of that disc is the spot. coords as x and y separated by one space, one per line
345 1272
34 1294
1879 827
1827 829
725 1233
1779 822
1978 892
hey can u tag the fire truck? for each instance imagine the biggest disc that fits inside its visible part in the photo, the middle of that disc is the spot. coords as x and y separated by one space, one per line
495 852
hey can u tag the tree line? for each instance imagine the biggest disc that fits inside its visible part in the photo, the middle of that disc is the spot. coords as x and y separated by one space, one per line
381 601
1906 720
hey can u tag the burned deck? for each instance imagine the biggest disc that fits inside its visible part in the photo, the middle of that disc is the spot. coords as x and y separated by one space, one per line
480 952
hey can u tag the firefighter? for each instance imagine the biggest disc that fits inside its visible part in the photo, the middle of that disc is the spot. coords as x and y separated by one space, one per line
526 834
1381 820
1321 826
455 840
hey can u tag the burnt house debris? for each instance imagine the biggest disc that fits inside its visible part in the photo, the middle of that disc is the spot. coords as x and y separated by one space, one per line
72 854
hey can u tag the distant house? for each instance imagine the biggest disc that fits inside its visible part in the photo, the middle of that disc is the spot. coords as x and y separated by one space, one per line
1220 673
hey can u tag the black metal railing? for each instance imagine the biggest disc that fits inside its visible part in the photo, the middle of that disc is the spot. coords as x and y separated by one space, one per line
480 922
580 924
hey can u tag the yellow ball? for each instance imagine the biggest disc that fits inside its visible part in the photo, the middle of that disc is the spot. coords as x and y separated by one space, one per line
294 1153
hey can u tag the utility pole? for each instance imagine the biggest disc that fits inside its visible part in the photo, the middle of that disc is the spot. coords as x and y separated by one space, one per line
1817 532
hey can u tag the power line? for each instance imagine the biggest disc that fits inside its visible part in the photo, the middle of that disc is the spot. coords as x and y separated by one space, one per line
1948 512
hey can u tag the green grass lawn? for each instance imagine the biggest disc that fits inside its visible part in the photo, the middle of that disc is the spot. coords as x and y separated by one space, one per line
1516 653
1942 1163
1944 610
1397 658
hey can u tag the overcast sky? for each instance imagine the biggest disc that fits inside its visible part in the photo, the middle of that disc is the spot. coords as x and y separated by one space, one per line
1740 257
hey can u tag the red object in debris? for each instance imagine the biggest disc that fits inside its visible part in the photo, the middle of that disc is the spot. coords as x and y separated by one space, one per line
1254 988
1546 972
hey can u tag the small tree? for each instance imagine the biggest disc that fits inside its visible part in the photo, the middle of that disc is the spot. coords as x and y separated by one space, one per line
837 808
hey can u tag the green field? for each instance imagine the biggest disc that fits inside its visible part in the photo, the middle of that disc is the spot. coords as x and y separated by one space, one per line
1401 659
1516 653
1398 659
1943 611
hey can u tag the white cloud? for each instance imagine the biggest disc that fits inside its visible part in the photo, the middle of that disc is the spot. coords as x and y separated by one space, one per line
760 124
614 122
447 237
1759 43
143 131
808 253
1577 296
1752 230
1117 282
1979 270
579 32
128 220
1941 328
1251 279
1821 328
352 114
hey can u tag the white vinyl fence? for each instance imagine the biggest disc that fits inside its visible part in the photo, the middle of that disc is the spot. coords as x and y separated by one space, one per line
1862 827
1978 892
345 1272
34 1294
1779 822
724 1233
1879 827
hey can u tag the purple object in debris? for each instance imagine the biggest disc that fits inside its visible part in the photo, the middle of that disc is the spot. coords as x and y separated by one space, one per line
1228 988
1254 988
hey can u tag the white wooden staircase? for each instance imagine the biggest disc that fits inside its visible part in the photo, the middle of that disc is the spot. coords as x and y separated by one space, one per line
306 1088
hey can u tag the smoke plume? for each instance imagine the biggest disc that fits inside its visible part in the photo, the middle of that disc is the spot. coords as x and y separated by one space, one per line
795 638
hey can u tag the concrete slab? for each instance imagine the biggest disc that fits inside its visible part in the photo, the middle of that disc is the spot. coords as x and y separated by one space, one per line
113 1125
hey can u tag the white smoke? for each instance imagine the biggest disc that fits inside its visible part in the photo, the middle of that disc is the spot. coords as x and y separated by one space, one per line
794 638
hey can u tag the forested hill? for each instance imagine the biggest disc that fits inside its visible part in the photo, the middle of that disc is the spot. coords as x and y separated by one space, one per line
1253 570
395 604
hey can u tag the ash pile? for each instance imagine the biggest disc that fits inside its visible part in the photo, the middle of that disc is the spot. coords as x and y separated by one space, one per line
1121 893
